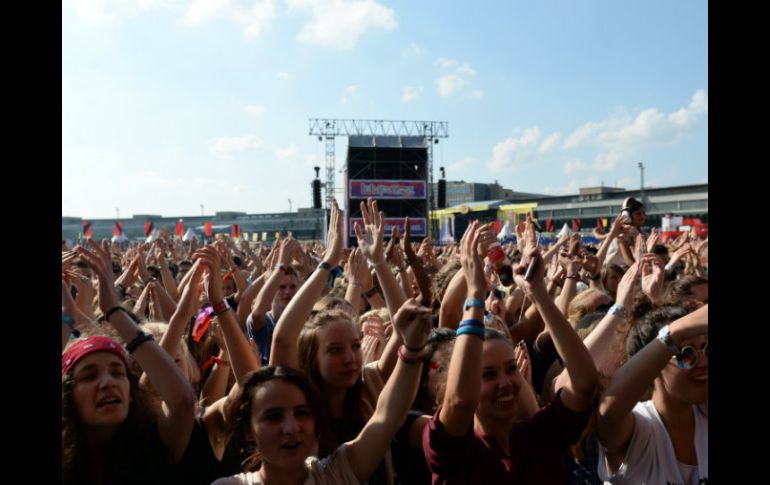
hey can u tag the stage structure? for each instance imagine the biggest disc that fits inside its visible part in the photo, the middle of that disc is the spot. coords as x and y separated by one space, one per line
390 161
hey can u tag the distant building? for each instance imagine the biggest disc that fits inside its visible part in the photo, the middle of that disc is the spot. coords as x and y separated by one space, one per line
461 192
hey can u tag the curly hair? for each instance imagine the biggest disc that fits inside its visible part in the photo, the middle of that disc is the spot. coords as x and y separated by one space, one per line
356 410
128 439
440 339
239 412
681 290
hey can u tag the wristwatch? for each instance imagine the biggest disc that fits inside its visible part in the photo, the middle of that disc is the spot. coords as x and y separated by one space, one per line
665 335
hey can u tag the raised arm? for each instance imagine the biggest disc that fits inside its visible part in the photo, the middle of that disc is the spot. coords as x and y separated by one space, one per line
265 297
169 284
366 451
601 254
175 420
283 350
615 425
242 359
356 275
579 390
464 376
373 247
420 275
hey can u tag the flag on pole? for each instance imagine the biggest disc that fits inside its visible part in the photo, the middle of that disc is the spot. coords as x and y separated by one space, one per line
576 225
188 235
235 230
179 228
208 231
117 231
87 231
549 225
149 227
264 236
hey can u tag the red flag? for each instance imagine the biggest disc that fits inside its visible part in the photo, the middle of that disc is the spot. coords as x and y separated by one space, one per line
600 224
236 231
498 225
576 225
208 231
87 228
148 228
549 225
179 228
117 230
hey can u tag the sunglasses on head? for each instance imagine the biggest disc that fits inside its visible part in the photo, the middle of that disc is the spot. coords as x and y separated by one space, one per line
688 357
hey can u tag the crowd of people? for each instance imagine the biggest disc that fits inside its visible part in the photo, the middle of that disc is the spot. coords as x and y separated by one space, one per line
392 362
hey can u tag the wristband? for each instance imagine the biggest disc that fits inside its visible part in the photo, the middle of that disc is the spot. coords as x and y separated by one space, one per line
140 338
369 293
325 265
471 323
409 360
220 307
473 302
665 336
471 330
595 278
573 277
214 315
70 322
618 310
410 349
112 310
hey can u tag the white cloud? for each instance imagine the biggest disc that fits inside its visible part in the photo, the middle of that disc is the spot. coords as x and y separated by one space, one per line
458 77
649 127
414 50
349 93
254 17
410 94
289 151
449 84
285 76
254 110
459 165
515 152
607 161
550 142
227 146
341 23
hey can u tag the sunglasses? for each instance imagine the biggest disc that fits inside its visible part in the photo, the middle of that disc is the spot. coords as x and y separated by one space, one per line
688 357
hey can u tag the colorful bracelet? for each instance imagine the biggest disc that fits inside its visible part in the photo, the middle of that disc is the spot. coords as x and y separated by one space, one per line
369 293
471 323
220 307
409 360
70 322
473 302
471 330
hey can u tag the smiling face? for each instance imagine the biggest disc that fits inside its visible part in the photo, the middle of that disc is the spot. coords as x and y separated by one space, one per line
500 382
687 385
339 353
102 391
282 425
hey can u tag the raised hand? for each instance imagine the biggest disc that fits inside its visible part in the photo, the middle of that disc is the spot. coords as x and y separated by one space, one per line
522 361
357 271
209 258
334 237
472 261
536 281
653 239
371 242
627 285
413 322
652 276
98 259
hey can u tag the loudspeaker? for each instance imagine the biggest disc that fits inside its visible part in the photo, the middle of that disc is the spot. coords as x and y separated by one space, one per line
441 193
316 194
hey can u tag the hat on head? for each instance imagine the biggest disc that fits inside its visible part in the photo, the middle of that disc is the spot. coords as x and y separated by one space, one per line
632 204
83 347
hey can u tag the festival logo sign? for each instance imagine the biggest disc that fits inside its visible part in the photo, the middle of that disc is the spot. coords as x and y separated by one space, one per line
417 226
388 189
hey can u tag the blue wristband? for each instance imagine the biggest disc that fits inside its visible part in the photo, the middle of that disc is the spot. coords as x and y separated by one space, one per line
473 302
471 323
70 322
471 330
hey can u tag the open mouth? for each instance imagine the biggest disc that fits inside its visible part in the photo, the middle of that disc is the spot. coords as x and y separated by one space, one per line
109 401
291 445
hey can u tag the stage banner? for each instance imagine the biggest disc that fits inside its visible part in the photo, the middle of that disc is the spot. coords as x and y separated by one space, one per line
388 189
418 226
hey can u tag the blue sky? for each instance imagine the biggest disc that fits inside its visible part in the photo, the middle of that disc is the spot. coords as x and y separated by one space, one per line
170 104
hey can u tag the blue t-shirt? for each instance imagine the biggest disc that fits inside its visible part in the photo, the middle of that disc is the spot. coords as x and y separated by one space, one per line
263 336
